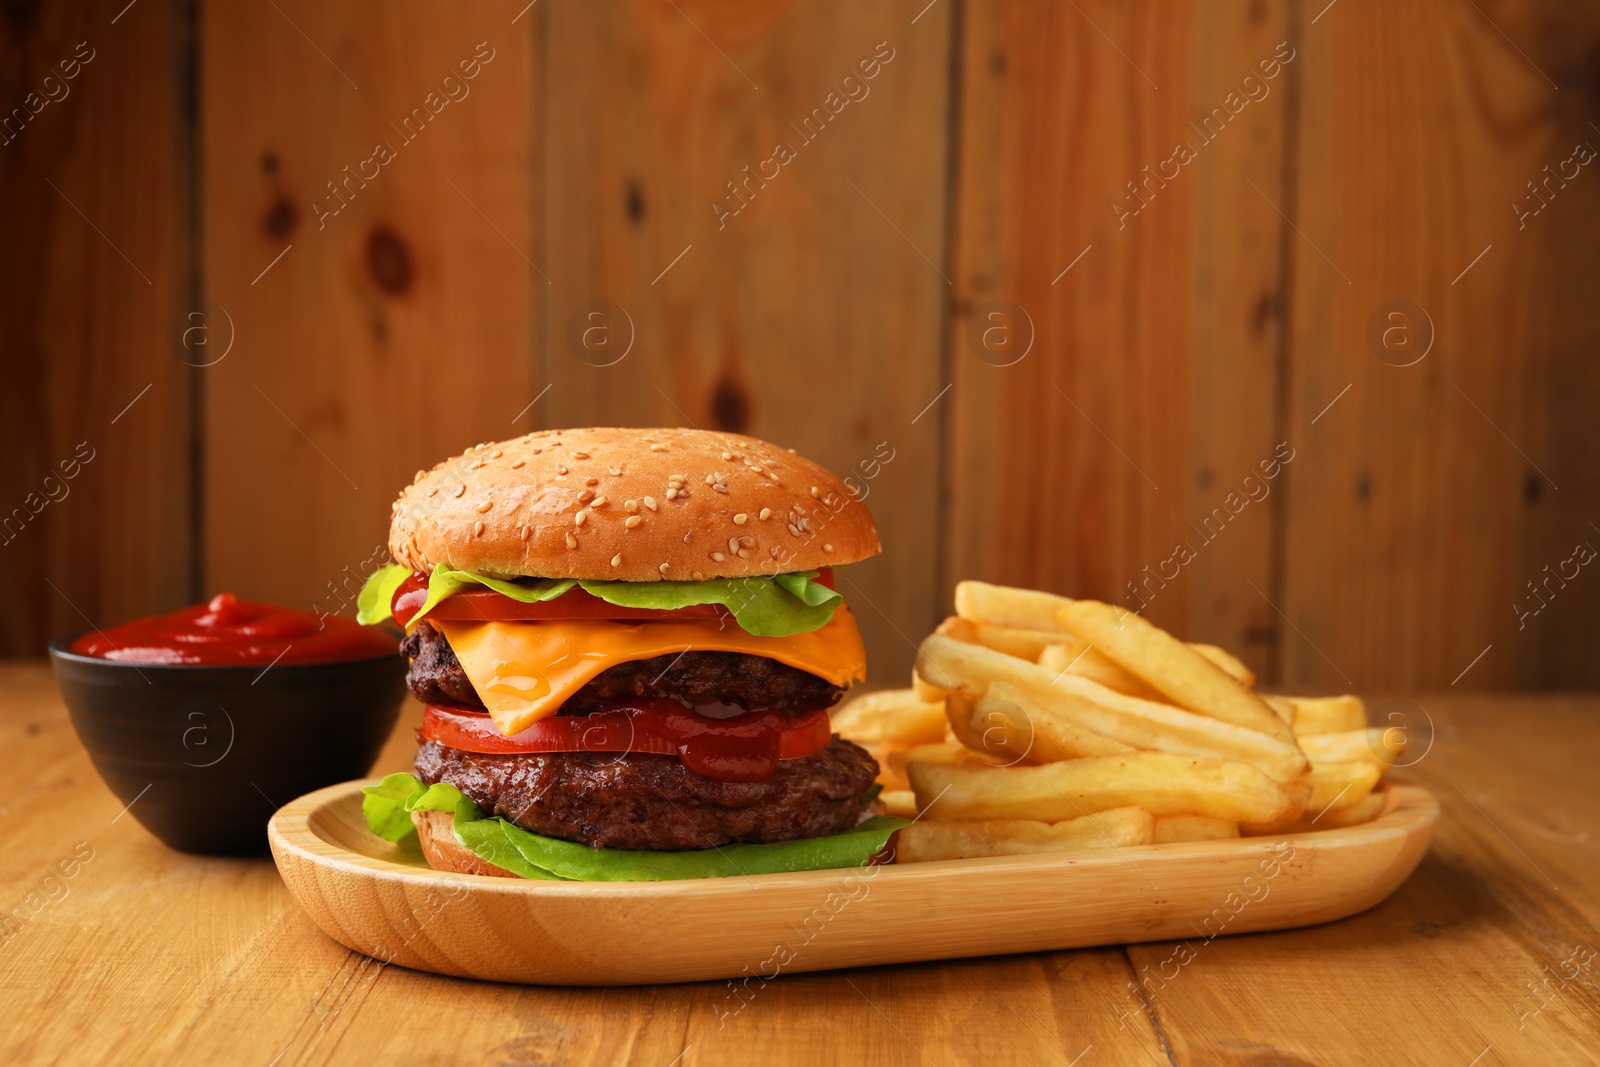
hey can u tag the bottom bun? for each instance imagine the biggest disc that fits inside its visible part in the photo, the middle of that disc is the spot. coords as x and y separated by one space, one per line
436 831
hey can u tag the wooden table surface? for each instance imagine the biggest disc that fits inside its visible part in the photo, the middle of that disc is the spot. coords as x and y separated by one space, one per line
1486 956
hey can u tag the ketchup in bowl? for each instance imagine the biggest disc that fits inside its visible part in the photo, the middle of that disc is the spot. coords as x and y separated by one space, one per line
204 721
229 632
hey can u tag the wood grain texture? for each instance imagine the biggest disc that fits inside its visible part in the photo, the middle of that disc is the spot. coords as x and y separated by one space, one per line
384 900
805 307
184 959
95 516
1147 397
1427 499
396 328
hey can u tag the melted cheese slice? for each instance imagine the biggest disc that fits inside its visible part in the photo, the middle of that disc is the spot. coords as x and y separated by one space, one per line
525 670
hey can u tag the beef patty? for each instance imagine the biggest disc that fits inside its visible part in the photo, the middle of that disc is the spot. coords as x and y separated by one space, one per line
752 682
634 800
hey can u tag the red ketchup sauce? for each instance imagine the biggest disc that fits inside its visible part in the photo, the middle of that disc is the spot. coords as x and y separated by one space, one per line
229 632
745 747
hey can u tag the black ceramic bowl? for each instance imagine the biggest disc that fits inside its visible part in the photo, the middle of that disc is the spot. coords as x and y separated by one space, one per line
205 755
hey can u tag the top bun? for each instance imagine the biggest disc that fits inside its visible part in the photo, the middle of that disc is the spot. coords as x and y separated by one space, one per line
636 505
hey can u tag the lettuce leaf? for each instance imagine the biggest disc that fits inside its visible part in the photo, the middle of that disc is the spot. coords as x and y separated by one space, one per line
376 596
780 606
533 856
767 607
386 806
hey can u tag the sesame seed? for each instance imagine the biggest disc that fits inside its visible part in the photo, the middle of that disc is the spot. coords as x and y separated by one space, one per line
633 520
580 455
711 479
688 535
744 553
658 448
665 567
434 491
591 481
740 519
616 561
583 516
733 544
496 454
827 548
475 466
719 487
794 529
718 556
477 528
766 513
561 468
630 506
483 507
815 492
586 496
462 488
672 494
526 531
598 502
518 464
650 502
698 576
613 470
572 542
756 468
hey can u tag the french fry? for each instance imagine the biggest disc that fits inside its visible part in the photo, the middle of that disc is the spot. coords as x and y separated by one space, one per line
1024 644
957 627
1071 656
1171 828
1116 828
901 803
1067 653
1372 743
1007 723
1286 822
1097 709
1366 809
1186 677
1339 785
1159 782
1230 664
893 780
1310 716
959 708
1003 605
927 692
890 717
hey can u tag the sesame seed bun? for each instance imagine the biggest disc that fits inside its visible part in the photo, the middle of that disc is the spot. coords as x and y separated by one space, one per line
637 505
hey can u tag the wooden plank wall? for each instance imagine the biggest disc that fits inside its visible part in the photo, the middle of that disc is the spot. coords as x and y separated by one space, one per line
1147 395
95 417
805 307
1432 494
396 328
987 261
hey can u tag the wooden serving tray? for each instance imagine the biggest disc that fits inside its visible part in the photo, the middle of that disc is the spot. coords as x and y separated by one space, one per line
383 900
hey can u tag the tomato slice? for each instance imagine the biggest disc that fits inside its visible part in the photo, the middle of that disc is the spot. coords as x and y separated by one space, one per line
743 748
487 605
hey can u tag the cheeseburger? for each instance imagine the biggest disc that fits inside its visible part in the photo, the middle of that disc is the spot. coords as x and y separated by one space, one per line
627 642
